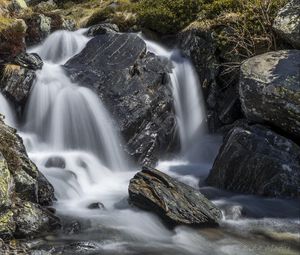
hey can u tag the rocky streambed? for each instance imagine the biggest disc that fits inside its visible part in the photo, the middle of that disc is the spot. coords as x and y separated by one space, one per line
100 105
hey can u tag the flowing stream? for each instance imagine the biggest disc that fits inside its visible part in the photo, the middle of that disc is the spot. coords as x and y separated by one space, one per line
71 137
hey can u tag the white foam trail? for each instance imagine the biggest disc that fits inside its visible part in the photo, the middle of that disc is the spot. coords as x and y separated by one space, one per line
7 111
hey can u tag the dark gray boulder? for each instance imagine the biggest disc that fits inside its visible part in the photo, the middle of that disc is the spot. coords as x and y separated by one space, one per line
135 88
287 23
175 202
103 28
256 160
269 90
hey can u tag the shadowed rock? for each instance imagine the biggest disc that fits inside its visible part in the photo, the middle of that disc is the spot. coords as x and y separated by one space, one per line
256 160
175 202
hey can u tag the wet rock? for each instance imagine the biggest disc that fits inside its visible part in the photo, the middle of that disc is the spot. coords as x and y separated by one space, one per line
287 23
58 162
16 83
269 90
25 174
175 202
22 190
72 227
256 160
96 205
198 42
29 60
134 86
31 220
200 47
102 29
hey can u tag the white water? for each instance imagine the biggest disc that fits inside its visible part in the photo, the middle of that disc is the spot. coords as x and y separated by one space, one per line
187 97
6 110
71 137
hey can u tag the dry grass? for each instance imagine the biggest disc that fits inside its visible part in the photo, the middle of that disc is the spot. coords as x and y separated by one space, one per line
9 69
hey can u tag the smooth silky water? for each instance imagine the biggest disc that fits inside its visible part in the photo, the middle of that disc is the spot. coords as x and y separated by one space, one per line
71 137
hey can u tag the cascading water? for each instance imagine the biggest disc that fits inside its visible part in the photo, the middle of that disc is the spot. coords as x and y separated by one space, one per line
70 136
187 97
6 110
65 115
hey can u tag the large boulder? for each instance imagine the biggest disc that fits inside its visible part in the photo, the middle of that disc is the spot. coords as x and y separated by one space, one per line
23 190
134 86
287 23
269 90
256 160
175 202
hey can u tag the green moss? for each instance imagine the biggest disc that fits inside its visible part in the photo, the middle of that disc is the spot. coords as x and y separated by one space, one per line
167 16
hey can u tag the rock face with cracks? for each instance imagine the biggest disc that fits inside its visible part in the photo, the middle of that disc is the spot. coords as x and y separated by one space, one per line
135 87
175 202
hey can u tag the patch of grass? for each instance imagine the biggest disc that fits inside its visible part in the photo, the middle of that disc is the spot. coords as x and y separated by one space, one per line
167 16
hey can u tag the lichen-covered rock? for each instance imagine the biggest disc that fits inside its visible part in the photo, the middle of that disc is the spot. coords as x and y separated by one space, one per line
134 86
31 220
287 23
25 173
269 90
23 189
6 184
175 202
256 160
7 224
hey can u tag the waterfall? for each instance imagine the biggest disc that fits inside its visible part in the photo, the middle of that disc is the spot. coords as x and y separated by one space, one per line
65 115
6 110
187 97
70 136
